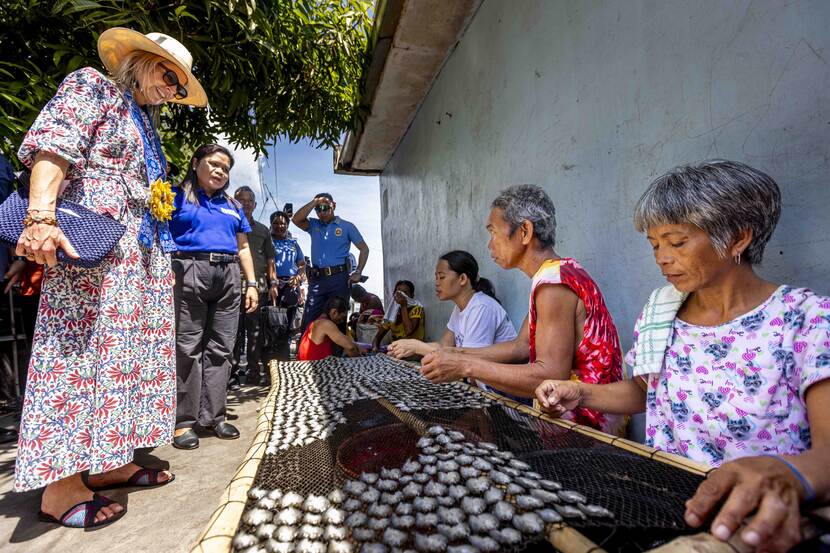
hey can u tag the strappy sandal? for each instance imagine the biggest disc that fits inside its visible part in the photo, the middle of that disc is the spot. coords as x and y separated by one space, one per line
83 514
142 478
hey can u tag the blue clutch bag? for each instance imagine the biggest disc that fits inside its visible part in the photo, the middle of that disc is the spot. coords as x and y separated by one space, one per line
92 235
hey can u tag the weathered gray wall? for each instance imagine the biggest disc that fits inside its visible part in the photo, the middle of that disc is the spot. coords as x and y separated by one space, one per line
592 99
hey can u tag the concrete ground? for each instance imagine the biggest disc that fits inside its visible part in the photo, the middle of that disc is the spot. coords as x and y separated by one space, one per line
165 519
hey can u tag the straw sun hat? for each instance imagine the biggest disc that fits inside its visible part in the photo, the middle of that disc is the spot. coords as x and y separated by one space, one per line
114 44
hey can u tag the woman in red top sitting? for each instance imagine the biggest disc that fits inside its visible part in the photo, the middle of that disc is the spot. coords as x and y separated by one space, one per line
322 334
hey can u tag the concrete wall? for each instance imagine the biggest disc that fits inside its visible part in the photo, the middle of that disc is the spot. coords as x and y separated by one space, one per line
592 99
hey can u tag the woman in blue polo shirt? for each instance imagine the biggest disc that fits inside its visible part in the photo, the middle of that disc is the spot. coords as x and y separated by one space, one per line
209 229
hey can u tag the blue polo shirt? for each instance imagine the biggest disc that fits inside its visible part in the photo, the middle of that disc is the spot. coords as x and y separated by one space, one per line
330 242
288 255
211 226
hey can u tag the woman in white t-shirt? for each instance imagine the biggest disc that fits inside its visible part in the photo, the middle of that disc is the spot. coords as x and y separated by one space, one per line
478 319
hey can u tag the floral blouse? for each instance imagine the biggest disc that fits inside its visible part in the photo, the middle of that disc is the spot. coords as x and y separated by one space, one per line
738 389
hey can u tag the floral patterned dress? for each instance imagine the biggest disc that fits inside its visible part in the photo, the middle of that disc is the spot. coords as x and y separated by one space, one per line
738 389
101 379
598 357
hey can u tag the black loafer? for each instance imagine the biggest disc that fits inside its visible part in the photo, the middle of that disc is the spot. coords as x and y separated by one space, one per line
226 431
188 440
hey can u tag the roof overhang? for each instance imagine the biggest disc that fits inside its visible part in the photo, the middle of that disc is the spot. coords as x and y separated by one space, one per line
411 41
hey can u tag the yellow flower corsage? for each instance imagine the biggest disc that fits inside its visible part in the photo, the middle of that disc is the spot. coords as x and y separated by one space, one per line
161 200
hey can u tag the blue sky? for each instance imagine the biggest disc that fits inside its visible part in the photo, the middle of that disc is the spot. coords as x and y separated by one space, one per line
299 171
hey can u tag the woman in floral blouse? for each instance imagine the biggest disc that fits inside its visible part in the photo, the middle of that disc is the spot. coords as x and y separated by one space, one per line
742 380
102 378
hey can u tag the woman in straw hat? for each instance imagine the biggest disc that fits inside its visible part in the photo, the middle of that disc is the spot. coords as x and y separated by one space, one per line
101 379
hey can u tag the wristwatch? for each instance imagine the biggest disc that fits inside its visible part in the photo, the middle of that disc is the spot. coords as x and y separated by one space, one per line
251 283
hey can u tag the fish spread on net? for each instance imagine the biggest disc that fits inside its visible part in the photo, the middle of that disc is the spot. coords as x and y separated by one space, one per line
391 474
456 436
449 478
519 465
427 459
356 519
332 532
310 531
514 489
483 523
442 439
435 430
425 441
549 515
339 546
244 540
424 504
430 543
402 521
411 467
405 479
255 517
404 509
444 456
455 532
352 504
370 496
363 534
411 490
447 465
273 546
316 504
435 489
369 477
257 493
394 538
569 496
544 495
311 546
450 516
336 497
334 515
289 516
453 447
493 495
595 511
499 477
379 510
426 520
266 503
463 459
265 531
391 498
503 511
569 511
507 536
529 523
387 485
430 469
478 485
473 505
463 548
482 464
468 472
313 518
457 492
420 477
550 485
533 475
495 460
485 543
527 483
529 502
446 501
291 499
431 450
377 523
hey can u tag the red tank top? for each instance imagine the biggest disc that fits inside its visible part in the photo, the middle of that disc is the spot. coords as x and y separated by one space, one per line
598 358
309 351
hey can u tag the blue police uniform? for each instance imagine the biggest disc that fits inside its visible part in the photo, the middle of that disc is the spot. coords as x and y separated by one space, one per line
329 275
207 296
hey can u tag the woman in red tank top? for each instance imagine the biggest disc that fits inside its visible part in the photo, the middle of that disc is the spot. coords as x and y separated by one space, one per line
322 334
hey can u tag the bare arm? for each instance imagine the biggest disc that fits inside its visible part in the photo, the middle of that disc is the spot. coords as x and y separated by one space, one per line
330 329
301 216
409 347
626 397
247 263
363 256
514 351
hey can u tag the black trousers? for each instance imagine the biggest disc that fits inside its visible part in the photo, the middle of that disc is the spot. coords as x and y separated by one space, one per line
207 297
250 336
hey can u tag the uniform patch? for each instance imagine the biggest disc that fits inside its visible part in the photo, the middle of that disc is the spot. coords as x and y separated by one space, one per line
231 212
338 231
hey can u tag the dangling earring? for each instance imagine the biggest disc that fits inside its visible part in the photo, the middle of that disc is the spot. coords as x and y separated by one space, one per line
737 259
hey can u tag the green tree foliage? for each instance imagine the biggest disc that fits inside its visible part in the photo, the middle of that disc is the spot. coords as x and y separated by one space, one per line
270 68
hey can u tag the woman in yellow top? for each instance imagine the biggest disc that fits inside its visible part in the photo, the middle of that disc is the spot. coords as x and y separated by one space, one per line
409 322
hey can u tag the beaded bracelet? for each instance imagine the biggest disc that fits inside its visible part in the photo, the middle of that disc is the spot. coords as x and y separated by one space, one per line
30 220
809 492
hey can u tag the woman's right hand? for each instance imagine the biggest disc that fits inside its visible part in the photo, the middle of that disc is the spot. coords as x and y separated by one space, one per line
40 243
401 349
559 396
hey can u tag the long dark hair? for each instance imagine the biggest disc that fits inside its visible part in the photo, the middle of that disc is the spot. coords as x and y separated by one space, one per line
464 263
191 181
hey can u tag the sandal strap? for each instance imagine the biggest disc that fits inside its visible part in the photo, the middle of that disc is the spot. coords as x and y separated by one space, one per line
145 477
82 515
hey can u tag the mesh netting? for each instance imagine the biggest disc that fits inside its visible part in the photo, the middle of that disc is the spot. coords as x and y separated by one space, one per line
364 454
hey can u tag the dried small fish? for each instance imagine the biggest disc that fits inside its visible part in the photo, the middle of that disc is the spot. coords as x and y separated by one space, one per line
457 492
402 521
266 503
369 477
243 540
534 475
453 447
569 496
595 511
478 485
544 495
255 517
354 487
289 516
493 495
425 441
510 471
424 504
373 548
483 523
274 546
455 532
569 511
377 510
427 459
370 496
352 504
550 485
435 489
445 501
394 538
377 523
447 465
411 467
257 493
391 498
445 456
334 533
363 534
529 502
507 536
495 460
468 472
488 446
426 520
549 515
505 455
485 544
430 543
313 518
449 478
431 450
291 499
464 459
473 505
405 479
336 497
499 477
334 516
356 519
310 531
316 504
450 516
481 464
514 489
431 470
404 509
265 531
442 439
391 474
529 523
311 546
519 465
463 548
456 436
504 511
339 546
411 490
435 430
387 485
527 483
420 477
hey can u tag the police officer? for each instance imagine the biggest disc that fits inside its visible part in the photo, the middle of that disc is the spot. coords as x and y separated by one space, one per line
331 237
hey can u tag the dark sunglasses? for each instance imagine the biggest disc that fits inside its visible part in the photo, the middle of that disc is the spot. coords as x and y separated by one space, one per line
171 79
322 209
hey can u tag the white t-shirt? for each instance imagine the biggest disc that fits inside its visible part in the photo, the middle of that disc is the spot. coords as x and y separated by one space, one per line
482 323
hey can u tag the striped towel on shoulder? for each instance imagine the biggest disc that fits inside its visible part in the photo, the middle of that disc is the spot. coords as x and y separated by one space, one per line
656 328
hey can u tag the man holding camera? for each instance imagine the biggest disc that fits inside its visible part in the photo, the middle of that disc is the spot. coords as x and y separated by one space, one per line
331 238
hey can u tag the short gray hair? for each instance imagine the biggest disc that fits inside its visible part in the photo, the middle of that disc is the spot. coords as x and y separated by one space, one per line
528 202
242 189
720 197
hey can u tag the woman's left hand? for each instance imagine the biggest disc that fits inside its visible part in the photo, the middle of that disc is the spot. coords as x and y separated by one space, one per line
251 299
747 484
